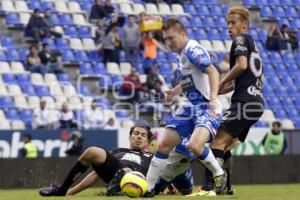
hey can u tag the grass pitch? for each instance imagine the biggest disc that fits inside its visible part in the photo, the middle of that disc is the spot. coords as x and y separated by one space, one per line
255 192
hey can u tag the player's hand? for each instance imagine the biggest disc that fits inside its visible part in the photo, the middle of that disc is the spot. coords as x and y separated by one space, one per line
221 87
213 107
169 96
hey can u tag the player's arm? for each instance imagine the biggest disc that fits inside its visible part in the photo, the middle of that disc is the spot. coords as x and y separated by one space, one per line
228 87
173 93
88 181
213 76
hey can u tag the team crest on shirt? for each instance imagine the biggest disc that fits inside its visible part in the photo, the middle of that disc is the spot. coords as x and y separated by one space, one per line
184 60
239 40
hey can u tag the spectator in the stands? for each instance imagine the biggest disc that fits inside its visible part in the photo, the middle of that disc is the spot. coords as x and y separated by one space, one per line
131 40
152 77
36 27
66 117
132 84
42 117
111 45
150 50
290 37
34 63
144 94
50 60
157 95
97 11
48 21
99 33
174 2
111 124
275 40
109 8
93 117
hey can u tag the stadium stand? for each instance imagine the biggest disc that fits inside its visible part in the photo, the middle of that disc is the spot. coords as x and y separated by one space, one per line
21 90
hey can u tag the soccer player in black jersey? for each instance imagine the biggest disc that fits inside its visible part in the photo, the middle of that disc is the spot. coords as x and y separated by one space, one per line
245 79
107 165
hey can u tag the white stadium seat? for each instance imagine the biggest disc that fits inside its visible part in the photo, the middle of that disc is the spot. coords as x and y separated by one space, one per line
3 90
61 7
126 8
21 6
75 103
69 90
177 9
37 79
86 101
143 78
4 68
164 9
75 43
79 20
125 68
17 125
74 7
88 44
21 102
59 29
138 8
50 79
113 68
206 44
17 68
33 102
8 6
127 123
287 124
49 102
14 90
59 100
24 18
4 125
218 46
55 90
268 116
2 116
228 45
151 9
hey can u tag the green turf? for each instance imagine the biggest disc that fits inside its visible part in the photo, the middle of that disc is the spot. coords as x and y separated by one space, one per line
253 192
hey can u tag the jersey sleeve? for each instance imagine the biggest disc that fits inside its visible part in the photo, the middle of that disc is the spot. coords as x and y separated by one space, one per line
198 56
240 46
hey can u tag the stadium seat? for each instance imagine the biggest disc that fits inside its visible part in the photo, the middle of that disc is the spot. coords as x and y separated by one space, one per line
84 32
55 90
79 20
203 11
94 56
105 81
113 68
23 54
47 5
177 9
6 102
279 11
3 90
12 19
21 6
20 102
68 56
81 56
99 68
151 9
74 7
206 44
59 100
33 102
63 78
50 79
209 22
2 116
4 68
213 34
71 31
266 11
50 42
13 55
17 125
14 90
34 4
249 3
262 2
37 79
4 125
49 102
295 24
22 79
61 7
8 6
126 9
220 22
86 68
88 44
138 8
28 89
41 90
274 2
287 124
218 46
291 11
164 9
65 19
122 114
268 116
84 90
261 124
216 10
75 43
75 103
275 57
125 68
55 19
62 43
9 78
69 90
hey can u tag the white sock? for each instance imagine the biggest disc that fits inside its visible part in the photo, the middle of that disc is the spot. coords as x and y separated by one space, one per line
208 159
157 165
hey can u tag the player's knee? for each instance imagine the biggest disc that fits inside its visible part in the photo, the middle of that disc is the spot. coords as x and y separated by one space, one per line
164 147
195 148
88 154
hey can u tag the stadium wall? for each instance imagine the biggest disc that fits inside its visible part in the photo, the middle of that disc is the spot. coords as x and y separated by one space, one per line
41 172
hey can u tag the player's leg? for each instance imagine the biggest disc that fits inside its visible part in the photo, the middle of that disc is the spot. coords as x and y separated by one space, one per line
91 156
159 160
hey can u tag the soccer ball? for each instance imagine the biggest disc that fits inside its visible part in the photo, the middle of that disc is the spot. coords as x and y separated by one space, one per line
134 184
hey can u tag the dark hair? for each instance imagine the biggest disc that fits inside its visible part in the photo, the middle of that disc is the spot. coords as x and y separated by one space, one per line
33 46
276 123
45 45
283 26
131 16
173 23
27 135
148 128
36 10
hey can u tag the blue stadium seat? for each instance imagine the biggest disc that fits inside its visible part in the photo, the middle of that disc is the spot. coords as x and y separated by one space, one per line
165 68
54 18
62 43
6 102
50 42
280 68
190 33
209 22
203 11
213 2
296 2
278 11
105 82
139 67
288 103
41 90
34 4
280 113
297 102
94 56
81 56
288 57
13 55
213 34
292 89
66 19
26 115
28 89
274 81
261 124
23 54
266 11
196 21
287 80
291 11
262 2
172 56
9 78
71 31
84 32
161 56
188 8
2 55
64 78
12 114
7 42
122 114
216 10
292 113
117 81
295 24
99 68
200 34
103 103
23 79
249 3
224 34
292 68
123 56
254 34
86 6
12 19
68 56
47 5
186 22
287 2
275 57
220 22
263 35
274 2
268 90
86 68
84 90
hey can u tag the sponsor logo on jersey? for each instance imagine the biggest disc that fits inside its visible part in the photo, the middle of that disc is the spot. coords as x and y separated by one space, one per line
254 91
240 48
239 40
132 158
184 60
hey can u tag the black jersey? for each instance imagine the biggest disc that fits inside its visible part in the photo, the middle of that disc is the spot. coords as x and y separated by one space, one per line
136 160
247 86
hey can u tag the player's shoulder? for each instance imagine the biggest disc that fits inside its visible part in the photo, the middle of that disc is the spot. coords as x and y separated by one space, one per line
242 39
194 48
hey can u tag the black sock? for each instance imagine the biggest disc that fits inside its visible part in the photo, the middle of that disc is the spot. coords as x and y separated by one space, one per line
76 170
228 167
219 154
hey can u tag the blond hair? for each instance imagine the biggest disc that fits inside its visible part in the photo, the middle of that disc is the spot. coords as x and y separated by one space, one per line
242 11
173 23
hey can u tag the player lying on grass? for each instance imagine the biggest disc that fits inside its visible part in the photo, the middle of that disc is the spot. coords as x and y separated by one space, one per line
112 166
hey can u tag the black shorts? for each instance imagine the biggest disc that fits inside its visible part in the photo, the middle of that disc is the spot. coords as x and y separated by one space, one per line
239 118
107 170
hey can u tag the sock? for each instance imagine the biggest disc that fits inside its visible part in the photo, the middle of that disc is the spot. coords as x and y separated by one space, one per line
208 159
228 161
219 154
158 164
73 174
